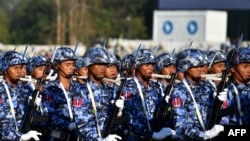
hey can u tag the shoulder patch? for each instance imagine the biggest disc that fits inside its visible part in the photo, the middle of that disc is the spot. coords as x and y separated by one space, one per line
77 102
176 102
127 95
47 98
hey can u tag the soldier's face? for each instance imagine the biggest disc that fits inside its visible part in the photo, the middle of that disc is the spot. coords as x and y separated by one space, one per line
241 72
145 71
38 72
194 73
217 67
13 73
168 70
97 71
83 71
111 72
66 68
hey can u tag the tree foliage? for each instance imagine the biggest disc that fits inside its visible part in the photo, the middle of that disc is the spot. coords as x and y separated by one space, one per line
68 21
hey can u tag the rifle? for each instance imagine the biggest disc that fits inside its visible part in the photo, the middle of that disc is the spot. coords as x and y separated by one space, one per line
29 115
162 114
113 119
214 117
76 46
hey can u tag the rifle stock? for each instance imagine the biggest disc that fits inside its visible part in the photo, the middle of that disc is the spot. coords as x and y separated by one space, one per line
162 113
112 120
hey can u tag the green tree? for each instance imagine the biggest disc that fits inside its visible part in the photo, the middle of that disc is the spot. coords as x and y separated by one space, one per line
68 21
4 34
33 22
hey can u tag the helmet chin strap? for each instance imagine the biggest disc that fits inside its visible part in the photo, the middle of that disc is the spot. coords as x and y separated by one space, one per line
66 75
144 77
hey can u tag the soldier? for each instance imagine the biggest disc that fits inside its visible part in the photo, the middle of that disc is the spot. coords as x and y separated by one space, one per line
35 69
58 96
125 65
14 99
142 97
24 68
217 66
112 71
81 71
166 65
192 99
239 89
92 113
206 64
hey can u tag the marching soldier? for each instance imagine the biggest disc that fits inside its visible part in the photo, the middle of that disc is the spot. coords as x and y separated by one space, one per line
166 65
81 71
14 99
239 88
125 65
192 99
142 96
112 71
93 112
217 66
59 96
35 69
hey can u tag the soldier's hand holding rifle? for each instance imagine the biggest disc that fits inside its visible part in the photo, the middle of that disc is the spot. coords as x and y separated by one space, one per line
31 135
119 103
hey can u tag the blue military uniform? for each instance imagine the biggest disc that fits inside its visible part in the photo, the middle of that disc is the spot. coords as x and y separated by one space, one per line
86 113
91 116
55 103
239 93
11 121
58 101
134 108
187 123
141 101
163 60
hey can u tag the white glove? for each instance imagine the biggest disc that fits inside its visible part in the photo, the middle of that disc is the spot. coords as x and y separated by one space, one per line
223 95
72 126
209 134
120 103
38 100
30 135
167 98
112 137
165 132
